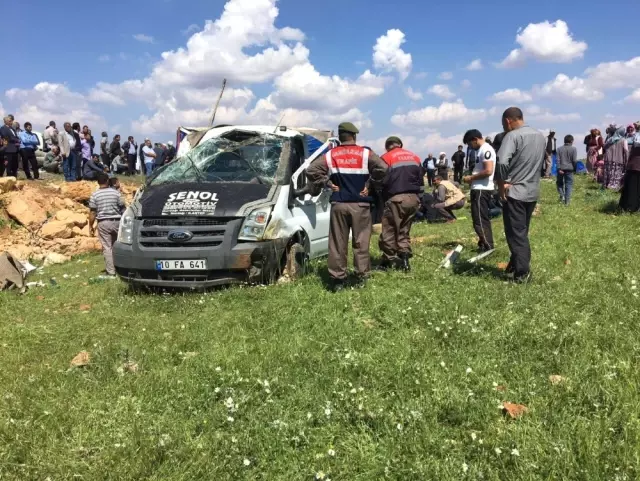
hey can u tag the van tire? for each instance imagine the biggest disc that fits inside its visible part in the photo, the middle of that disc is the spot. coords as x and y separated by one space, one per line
297 261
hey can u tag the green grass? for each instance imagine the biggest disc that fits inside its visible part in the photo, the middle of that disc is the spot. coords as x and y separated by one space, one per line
379 378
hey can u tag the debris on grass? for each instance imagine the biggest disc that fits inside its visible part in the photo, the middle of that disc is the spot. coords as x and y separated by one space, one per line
502 265
451 257
556 379
128 367
514 411
82 359
85 307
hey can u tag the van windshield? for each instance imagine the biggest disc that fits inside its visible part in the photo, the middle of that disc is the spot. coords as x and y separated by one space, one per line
247 157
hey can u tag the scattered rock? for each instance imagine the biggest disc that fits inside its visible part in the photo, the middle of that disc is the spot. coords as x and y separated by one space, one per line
79 191
556 379
501 388
65 215
84 232
514 411
503 266
567 262
25 211
85 307
82 359
7 184
54 258
130 367
20 251
56 229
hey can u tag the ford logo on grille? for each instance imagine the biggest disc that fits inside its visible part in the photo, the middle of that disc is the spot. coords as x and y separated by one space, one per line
180 236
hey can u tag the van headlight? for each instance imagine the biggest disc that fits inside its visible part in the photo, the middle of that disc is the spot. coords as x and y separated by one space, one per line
125 233
255 224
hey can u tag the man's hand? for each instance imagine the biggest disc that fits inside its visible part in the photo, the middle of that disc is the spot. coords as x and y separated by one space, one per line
334 187
364 193
561 172
467 179
439 205
504 190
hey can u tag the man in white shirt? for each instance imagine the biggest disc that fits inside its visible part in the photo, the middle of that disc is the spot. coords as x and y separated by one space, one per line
149 156
481 181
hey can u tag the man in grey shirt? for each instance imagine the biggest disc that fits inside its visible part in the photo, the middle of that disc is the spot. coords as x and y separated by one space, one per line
520 161
567 164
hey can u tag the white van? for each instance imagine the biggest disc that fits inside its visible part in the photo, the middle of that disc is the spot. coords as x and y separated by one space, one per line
226 211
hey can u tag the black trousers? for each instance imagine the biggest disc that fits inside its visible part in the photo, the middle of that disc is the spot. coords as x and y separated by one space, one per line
480 200
431 174
517 219
458 173
12 164
79 165
29 162
131 163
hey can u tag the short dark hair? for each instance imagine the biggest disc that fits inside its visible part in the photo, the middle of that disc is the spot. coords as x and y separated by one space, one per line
52 124
438 178
344 136
102 178
460 147
131 137
568 139
27 124
113 181
75 126
470 135
513 113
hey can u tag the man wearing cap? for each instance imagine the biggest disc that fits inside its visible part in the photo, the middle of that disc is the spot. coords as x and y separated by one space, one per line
401 186
458 164
481 181
349 169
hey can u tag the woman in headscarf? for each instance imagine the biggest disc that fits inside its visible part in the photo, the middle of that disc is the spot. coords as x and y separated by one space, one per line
616 152
630 135
595 146
630 199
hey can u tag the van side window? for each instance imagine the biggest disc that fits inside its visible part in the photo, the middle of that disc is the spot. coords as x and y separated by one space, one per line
297 161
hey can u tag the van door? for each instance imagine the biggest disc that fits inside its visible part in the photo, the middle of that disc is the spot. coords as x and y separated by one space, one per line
313 212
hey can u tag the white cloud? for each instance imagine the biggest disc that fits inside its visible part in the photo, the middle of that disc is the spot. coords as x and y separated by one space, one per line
441 91
388 55
414 95
545 42
446 76
432 116
191 29
465 84
104 58
614 75
141 37
475 65
433 143
547 116
51 101
566 88
514 96
634 97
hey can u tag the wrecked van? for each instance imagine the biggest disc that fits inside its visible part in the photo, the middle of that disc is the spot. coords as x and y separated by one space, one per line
226 211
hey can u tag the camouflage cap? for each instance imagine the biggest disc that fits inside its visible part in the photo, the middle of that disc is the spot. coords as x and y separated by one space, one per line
348 127
393 140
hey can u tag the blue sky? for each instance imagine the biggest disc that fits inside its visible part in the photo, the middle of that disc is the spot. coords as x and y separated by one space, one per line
399 68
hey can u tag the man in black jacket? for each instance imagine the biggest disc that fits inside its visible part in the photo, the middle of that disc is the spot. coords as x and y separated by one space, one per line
12 147
458 165
130 149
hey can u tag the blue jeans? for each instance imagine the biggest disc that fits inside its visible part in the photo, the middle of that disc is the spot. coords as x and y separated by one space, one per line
69 166
565 186
149 166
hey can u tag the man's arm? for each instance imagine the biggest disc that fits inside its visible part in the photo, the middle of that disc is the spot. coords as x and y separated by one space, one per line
377 169
574 158
318 175
506 153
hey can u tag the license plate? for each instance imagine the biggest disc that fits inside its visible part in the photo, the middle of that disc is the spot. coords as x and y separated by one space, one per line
188 265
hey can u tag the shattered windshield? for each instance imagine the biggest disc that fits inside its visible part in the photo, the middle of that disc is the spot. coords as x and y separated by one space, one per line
248 157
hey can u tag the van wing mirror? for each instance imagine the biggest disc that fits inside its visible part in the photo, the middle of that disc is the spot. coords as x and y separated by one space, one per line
308 190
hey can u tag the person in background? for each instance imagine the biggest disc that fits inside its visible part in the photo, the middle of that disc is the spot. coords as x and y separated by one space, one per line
160 155
92 168
481 182
458 164
630 198
429 165
115 150
442 166
53 161
616 152
106 207
130 149
16 127
29 143
3 162
12 146
595 154
50 136
567 166
551 150
91 140
471 159
85 142
171 153
114 183
149 156
447 198
78 149
520 162
143 166
104 148
630 135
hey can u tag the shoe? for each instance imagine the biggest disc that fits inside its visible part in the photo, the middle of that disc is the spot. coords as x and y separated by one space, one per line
361 283
338 286
404 262
522 278
385 265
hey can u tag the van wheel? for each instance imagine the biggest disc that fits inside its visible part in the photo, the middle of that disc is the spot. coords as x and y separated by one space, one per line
297 261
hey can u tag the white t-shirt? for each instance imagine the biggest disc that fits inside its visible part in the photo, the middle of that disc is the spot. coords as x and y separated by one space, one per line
484 154
72 140
146 150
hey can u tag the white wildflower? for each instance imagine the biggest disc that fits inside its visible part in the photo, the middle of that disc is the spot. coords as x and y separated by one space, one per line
320 475
469 370
498 451
331 452
218 369
327 412
465 467
399 427
442 364
234 440
246 462
474 436
230 419
515 452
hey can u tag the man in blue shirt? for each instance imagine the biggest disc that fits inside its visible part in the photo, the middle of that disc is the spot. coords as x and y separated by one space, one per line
29 142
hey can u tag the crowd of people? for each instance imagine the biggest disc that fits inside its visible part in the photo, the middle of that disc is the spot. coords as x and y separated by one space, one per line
72 152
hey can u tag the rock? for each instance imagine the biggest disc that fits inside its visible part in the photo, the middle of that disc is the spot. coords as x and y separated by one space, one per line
25 211
84 232
82 359
7 184
53 258
79 191
78 220
56 229
69 203
88 245
21 252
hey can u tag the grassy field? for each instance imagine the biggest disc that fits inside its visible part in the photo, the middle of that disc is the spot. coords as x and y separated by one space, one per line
400 381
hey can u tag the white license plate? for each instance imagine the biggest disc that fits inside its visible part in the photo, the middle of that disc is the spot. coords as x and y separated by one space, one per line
188 265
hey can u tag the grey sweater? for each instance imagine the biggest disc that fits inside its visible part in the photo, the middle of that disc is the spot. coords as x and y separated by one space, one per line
567 158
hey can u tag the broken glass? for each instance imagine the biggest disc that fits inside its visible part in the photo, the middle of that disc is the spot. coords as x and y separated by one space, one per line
238 156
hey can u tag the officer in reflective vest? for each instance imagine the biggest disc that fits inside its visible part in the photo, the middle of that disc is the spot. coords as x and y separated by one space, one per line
401 188
350 171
